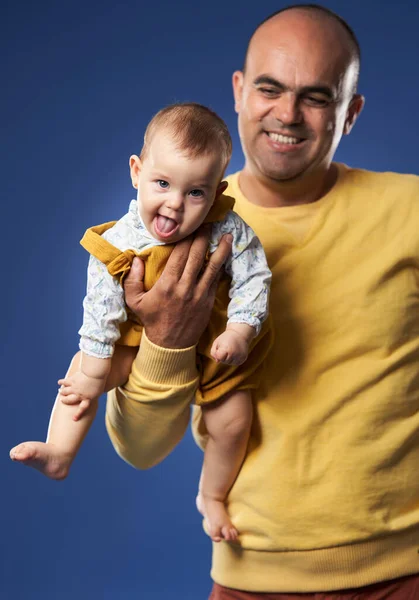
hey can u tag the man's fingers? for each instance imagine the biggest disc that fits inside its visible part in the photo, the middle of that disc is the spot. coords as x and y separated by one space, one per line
134 284
135 277
177 260
186 260
213 271
197 255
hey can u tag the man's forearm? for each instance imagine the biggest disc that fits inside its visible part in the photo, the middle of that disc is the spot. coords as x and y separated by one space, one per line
149 415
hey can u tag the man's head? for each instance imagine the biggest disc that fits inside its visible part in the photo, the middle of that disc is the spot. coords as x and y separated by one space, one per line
179 171
296 96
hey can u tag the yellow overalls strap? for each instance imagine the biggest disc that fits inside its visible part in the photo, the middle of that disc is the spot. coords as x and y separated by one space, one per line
220 208
117 262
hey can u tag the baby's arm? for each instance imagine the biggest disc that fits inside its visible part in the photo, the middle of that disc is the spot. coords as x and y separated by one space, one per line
249 292
103 311
232 346
86 384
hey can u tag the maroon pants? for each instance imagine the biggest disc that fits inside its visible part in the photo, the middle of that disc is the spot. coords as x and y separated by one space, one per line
404 588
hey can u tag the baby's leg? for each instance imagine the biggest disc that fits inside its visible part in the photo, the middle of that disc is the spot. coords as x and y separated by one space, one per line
65 436
228 423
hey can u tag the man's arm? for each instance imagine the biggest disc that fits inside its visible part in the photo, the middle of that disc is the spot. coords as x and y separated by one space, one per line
149 415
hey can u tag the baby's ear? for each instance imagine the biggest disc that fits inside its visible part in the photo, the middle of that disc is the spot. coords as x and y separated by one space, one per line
222 186
135 167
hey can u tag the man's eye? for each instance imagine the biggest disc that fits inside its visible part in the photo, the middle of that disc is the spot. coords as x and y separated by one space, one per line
196 193
269 91
162 183
313 101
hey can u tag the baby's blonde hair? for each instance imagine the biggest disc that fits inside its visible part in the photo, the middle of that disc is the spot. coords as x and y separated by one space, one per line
196 130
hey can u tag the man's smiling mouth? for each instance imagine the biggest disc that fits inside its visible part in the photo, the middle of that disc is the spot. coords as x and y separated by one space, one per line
283 139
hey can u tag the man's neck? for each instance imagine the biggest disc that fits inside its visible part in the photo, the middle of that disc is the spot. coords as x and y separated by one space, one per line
270 193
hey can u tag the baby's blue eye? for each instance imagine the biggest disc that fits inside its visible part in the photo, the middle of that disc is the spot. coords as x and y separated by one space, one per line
162 183
196 193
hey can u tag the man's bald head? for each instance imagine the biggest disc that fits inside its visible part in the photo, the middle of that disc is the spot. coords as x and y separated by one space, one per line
325 16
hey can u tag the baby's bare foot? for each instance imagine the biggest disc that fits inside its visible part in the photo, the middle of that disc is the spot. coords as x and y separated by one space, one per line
219 524
46 458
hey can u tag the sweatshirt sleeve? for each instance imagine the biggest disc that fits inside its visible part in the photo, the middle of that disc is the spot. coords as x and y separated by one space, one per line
148 416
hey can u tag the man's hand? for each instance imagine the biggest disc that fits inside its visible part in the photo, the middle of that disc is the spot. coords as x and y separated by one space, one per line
177 309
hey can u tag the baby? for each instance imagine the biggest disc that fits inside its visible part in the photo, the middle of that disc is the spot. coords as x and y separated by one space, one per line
178 176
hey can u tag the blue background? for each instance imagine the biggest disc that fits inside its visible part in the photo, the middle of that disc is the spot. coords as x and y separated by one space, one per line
81 81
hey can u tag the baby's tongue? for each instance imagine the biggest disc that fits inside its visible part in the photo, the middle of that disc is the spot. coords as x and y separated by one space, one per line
165 225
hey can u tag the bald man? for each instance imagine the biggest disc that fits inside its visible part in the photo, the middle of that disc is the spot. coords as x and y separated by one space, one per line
327 500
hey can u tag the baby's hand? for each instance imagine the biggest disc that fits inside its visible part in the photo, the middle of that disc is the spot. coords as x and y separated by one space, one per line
80 389
230 348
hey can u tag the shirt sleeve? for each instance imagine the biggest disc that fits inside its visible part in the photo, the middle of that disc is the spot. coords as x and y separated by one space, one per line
103 311
148 416
249 272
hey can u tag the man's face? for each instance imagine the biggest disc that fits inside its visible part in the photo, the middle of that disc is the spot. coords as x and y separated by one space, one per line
295 99
175 191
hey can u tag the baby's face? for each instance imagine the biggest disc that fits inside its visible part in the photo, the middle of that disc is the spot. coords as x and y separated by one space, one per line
175 192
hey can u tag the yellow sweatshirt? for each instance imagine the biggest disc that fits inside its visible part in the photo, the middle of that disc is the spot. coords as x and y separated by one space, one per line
328 496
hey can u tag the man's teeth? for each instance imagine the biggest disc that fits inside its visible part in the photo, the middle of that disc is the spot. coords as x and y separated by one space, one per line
283 139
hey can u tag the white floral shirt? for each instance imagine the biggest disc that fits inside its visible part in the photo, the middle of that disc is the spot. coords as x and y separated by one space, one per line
104 304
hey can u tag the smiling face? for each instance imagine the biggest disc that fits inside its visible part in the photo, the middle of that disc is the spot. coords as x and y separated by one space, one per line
295 98
175 191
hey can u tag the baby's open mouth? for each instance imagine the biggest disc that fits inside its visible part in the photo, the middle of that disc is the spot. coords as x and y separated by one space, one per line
165 226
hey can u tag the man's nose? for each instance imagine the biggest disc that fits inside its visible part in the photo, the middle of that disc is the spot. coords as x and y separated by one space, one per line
287 109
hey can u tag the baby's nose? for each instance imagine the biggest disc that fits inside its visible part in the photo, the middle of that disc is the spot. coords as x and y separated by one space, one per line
175 201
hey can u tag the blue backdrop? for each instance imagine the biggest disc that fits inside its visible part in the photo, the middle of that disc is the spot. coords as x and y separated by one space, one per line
81 81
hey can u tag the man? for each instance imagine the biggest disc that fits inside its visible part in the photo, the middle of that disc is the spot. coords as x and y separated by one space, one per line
327 500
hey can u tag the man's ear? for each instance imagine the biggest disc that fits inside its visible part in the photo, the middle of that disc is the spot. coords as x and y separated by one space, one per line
222 186
237 89
354 110
135 166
